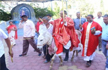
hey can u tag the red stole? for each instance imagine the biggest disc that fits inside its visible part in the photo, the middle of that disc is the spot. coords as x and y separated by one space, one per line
58 44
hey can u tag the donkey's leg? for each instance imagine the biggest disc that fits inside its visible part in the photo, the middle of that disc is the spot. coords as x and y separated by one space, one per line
52 61
76 53
73 55
61 61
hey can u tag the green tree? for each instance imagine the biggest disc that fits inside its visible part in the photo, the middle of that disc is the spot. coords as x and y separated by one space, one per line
4 15
86 8
42 12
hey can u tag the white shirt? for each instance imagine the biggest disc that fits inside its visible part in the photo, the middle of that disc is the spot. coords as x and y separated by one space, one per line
43 28
2 36
50 20
28 28
99 20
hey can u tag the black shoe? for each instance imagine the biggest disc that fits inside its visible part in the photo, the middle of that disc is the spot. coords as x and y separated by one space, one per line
46 61
66 59
100 49
88 64
39 54
21 55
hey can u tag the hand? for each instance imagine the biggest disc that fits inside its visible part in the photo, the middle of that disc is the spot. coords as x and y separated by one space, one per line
12 29
21 21
64 20
107 46
93 31
11 53
32 37
80 25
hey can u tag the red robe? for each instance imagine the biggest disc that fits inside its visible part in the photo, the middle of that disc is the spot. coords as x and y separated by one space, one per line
93 39
62 34
11 27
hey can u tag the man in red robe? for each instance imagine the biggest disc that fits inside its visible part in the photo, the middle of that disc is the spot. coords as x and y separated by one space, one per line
64 34
90 33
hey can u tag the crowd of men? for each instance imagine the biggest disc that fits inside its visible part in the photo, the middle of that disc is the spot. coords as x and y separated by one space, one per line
94 33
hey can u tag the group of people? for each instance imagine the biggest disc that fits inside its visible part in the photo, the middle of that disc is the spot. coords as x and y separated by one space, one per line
94 32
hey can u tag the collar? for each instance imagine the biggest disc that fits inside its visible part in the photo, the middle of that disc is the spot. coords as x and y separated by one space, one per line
90 22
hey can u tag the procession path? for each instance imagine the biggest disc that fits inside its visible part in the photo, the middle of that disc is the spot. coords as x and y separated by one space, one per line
34 62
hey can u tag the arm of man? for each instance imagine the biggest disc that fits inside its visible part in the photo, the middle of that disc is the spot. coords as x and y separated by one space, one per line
69 23
9 46
32 29
107 46
99 30
21 24
4 36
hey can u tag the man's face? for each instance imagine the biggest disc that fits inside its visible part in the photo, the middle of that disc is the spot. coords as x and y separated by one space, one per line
49 17
61 14
45 21
78 15
24 18
10 23
89 19
99 15
105 20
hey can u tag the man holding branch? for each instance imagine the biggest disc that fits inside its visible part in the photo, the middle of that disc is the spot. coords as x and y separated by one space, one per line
90 33
2 52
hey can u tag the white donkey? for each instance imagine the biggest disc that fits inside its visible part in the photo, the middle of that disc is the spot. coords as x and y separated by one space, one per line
46 38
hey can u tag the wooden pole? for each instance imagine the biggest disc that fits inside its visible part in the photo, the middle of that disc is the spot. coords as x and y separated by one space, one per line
63 8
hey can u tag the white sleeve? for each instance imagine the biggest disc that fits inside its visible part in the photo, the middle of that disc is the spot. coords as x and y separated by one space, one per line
3 35
40 29
97 32
32 28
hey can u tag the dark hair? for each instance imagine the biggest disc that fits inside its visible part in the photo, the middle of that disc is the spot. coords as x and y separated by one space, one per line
23 16
65 12
91 16
40 17
10 21
46 18
106 15
49 15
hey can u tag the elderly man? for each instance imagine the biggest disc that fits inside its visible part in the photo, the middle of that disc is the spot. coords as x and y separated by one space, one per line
29 33
79 20
2 52
90 33
105 38
46 26
64 34
99 20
